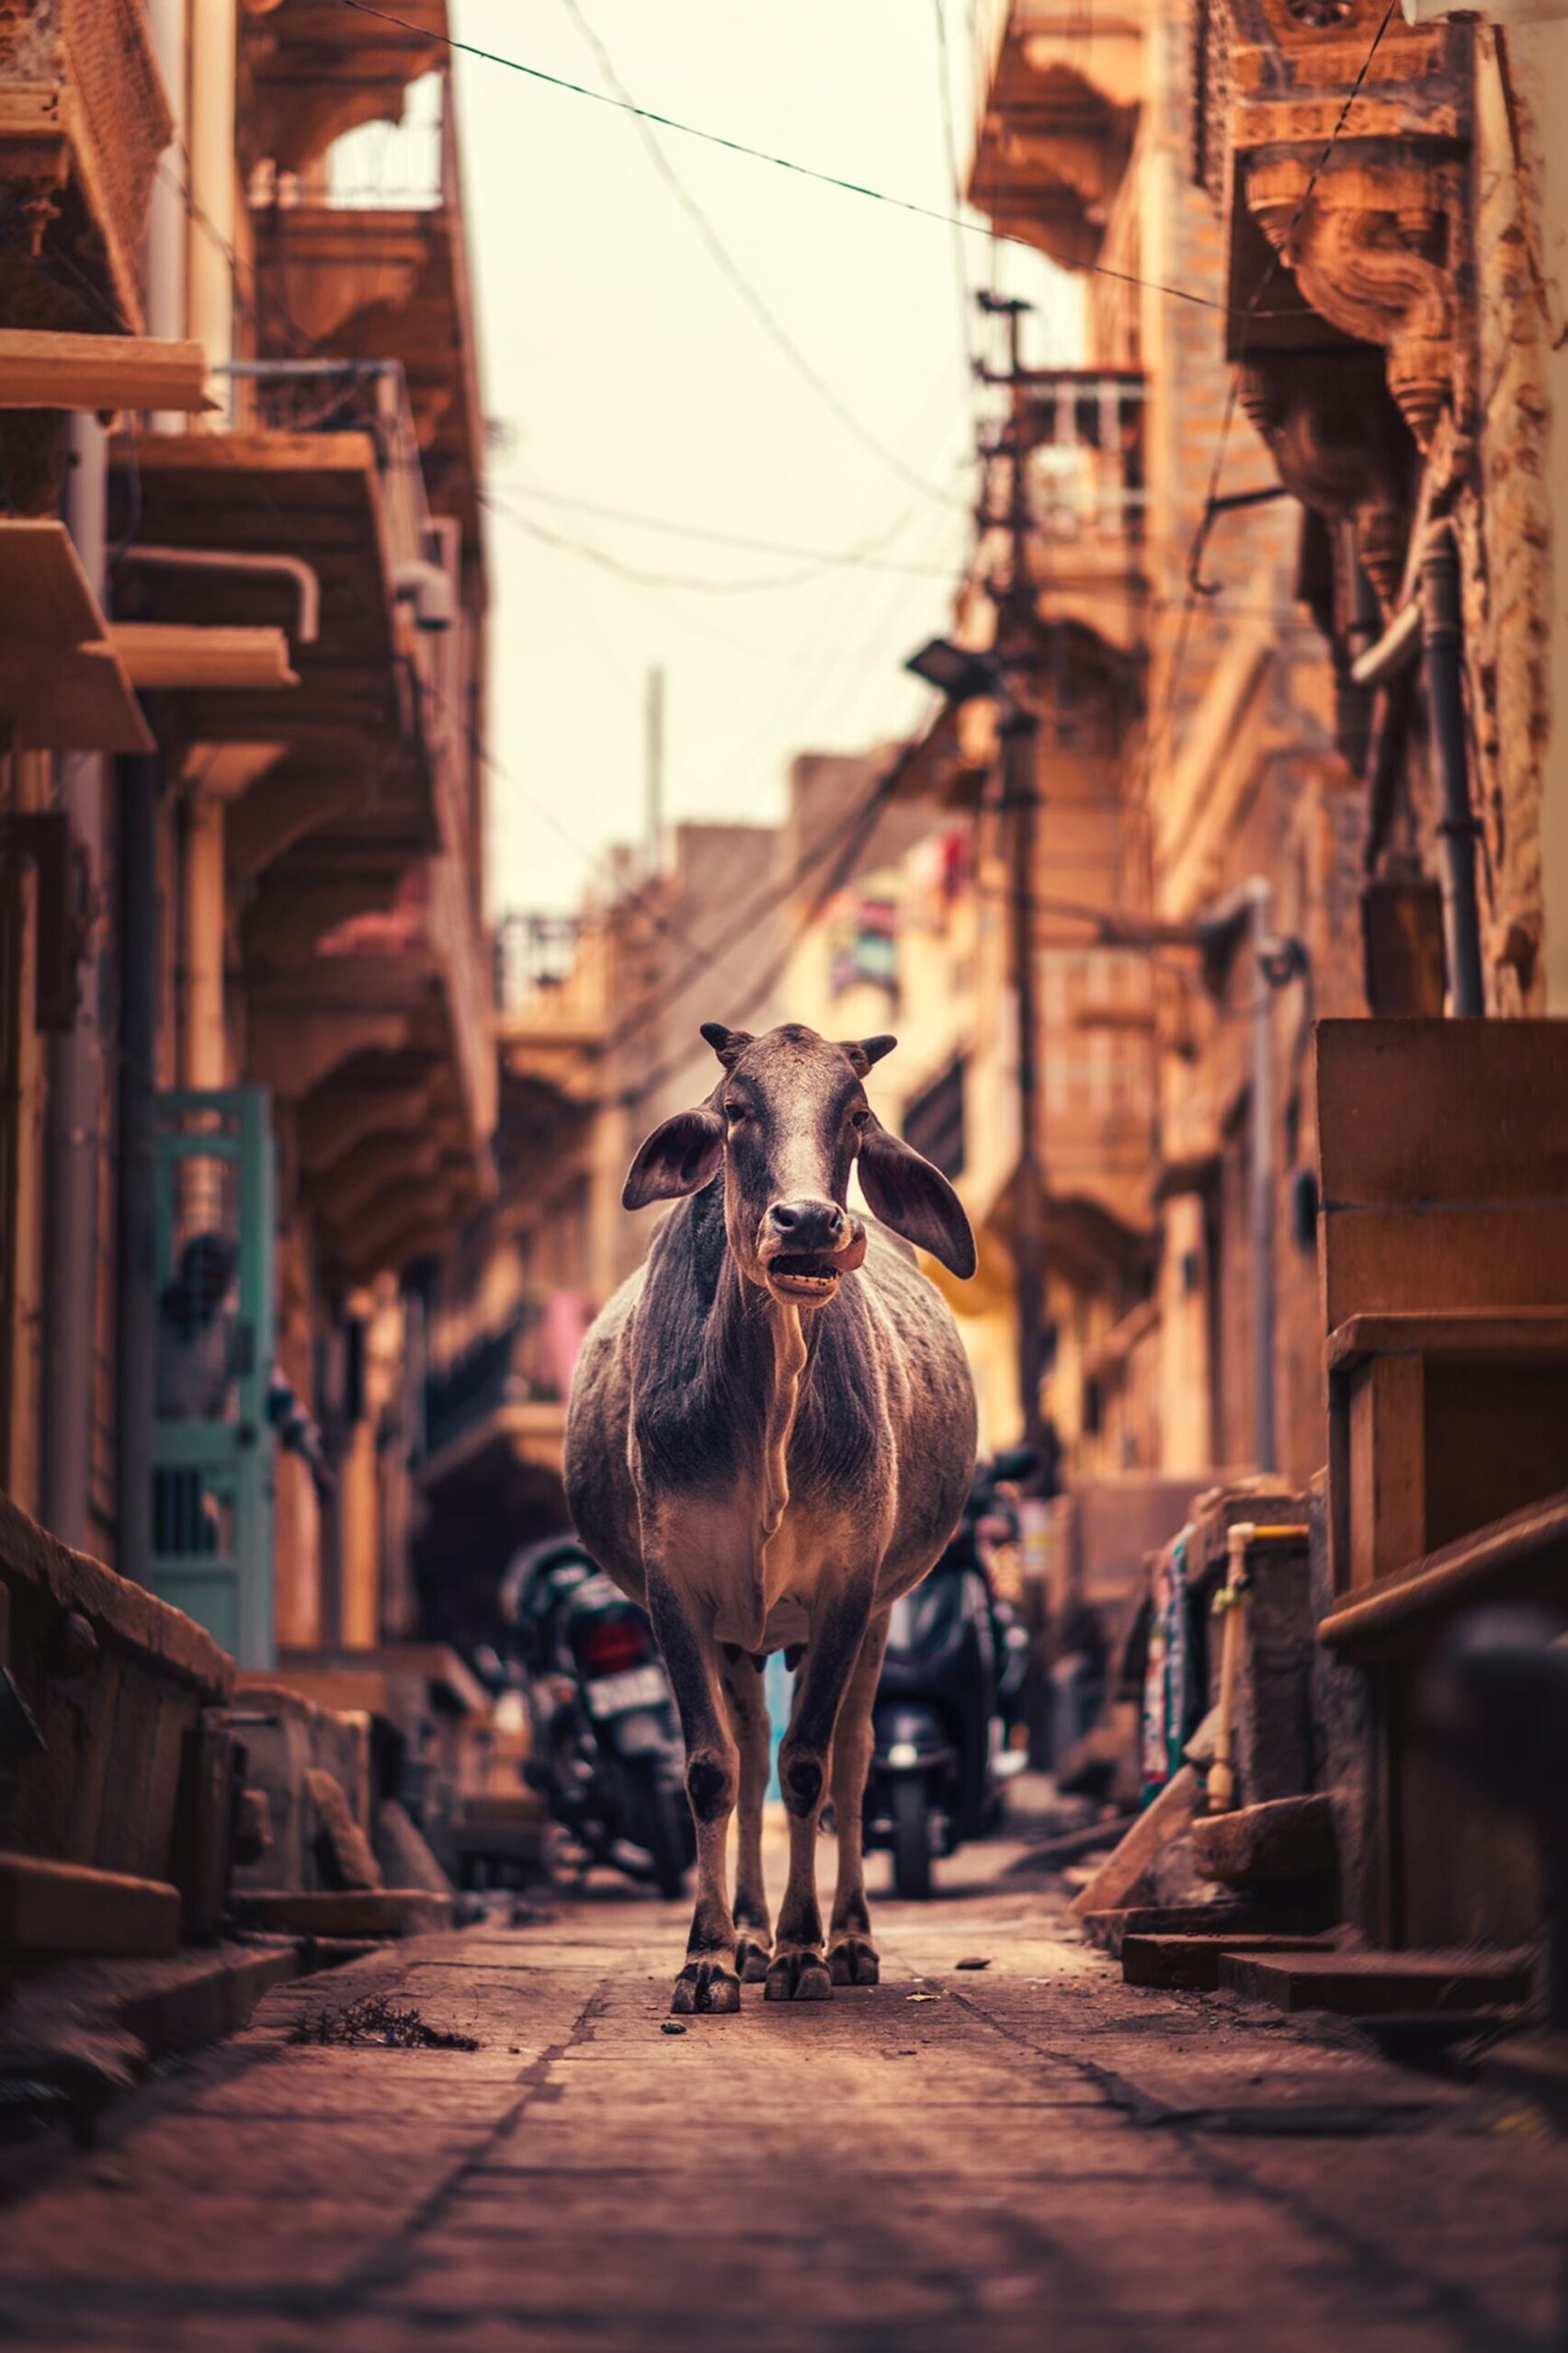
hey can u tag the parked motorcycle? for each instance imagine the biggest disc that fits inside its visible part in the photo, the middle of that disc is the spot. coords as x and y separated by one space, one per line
951 1685
605 1752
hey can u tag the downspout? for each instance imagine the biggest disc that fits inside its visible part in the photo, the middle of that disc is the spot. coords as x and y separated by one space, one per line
166 229
209 146
73 1122
1432 624
1443 637
1265 1447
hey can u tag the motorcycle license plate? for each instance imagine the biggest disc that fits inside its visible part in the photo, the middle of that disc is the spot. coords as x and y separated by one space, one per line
639 1687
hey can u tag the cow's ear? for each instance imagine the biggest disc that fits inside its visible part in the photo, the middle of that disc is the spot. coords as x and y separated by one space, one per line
915 1198
728 1044
864 1051
680 1156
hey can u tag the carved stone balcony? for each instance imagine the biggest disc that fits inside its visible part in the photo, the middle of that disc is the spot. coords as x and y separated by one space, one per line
1342 234
82 121
1059 103
314 70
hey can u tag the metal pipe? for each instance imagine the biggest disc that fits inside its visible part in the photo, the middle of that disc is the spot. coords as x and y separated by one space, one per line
165 209
1443 636
304 575
210 149
1396 651
1231 1602
1261 897
74 1119
136 1221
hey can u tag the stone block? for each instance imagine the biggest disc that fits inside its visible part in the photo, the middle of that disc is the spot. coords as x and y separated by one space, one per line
1380 1984
1260 1846
1193 1963
366 1911
49 1907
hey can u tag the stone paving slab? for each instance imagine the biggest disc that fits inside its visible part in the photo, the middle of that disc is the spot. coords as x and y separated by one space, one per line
1041 2157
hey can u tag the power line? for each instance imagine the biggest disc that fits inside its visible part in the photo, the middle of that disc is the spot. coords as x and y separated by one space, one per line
818 562
764 156
861 553
766 318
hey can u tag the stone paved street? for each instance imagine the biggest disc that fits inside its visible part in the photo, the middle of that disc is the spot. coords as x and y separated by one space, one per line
1026 2156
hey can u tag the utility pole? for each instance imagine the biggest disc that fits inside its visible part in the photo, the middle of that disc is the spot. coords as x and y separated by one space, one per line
1016 654
654 770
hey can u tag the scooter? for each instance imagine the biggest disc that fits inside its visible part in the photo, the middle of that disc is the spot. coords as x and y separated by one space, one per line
606 1753
951 1683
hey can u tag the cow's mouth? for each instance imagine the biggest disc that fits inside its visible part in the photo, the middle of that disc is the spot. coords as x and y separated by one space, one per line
812 1277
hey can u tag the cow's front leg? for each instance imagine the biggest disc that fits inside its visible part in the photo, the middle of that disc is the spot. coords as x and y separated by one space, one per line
710 1980
747 1701
799 1972
852 1958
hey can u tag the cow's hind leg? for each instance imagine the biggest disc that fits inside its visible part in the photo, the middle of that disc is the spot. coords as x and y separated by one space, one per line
799 1969
710 1980
852 1958
747 1701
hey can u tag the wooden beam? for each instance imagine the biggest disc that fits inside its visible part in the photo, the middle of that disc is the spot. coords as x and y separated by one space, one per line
42 369
177 653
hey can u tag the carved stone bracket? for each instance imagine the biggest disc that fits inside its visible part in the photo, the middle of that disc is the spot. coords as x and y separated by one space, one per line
1366 242
1338 445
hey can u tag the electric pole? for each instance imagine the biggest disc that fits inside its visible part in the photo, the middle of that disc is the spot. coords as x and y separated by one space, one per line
654 770
1017 656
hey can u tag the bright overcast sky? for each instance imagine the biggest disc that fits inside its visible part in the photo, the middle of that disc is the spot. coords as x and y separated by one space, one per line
629 373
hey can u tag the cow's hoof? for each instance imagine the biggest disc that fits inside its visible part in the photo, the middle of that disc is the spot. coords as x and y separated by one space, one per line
751 1960
853 1962
798 1976
705 1986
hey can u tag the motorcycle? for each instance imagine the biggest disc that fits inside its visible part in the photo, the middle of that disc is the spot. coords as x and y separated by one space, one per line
951 1685
605 1751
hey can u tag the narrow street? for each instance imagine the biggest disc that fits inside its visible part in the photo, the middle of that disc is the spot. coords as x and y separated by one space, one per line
1025 2155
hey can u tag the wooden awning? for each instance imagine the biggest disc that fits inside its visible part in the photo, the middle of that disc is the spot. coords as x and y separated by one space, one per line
104 372
63 685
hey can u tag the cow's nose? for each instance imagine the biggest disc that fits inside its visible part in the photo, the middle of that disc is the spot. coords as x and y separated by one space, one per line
809 1225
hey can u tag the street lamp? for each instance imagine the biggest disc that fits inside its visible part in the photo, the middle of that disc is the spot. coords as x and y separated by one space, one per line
959 671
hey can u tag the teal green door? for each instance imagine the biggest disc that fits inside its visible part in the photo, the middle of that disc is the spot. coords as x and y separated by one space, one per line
214 1450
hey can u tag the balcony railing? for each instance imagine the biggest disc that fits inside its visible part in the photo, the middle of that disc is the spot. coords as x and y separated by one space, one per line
534 954
527 1361
1086 474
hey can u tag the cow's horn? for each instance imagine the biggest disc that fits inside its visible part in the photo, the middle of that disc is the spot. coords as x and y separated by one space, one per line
864 1051
728 1044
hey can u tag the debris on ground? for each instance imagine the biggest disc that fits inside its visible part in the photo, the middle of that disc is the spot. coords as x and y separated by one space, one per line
375 2019
973 1961
672 2026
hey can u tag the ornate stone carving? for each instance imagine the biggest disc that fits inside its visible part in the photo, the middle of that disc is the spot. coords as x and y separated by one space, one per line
1337 443
1361 241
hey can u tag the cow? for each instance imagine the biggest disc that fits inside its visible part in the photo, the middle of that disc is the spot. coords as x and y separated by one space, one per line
770 1438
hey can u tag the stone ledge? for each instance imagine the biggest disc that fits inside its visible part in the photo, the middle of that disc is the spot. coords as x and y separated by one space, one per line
123 1615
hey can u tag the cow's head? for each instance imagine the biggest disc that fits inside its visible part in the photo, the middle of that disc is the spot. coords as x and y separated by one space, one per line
786 1122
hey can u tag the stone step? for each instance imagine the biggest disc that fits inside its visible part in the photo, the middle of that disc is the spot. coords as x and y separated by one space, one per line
1110 1929
1193 1963
351 1912
51 1907
1368 1984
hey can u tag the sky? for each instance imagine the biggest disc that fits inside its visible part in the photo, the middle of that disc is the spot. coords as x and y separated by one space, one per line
621 368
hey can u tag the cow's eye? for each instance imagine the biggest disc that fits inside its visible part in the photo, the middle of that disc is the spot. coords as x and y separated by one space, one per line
733 1111
862 1119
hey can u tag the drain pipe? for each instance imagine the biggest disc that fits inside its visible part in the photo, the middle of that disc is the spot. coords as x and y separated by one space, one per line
1431 625
1261 896
72 1132
305 577
1443 634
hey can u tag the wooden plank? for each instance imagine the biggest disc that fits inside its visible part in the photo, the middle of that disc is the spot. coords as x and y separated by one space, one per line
1479 1332
41 369
67 1908
1387 1500
177 653
1442 1112
1498 1255
1495 1561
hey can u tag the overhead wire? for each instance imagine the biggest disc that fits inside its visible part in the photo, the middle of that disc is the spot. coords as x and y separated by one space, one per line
763 155
743 285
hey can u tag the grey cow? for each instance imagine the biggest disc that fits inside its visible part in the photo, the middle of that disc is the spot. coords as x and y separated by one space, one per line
771 1435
